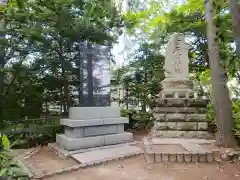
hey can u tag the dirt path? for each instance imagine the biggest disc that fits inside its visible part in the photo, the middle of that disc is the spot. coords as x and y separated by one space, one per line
137 169
134 168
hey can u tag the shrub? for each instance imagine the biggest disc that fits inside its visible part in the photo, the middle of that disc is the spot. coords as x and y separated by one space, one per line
137 120
10 169
236 115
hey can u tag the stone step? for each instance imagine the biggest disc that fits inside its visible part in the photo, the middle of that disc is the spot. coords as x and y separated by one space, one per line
95 141
177 141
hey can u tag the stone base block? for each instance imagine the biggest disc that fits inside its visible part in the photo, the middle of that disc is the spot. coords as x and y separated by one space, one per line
183 126
93 122
177 93
80 132
183 134
175 83
176 117
95 141
183 102
93 112
185 110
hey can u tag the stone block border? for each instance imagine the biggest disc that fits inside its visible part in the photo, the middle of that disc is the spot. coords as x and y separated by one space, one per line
186 157
193 153
36 173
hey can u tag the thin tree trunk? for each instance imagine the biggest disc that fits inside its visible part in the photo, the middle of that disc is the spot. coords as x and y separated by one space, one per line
64 80
144 106
234 6
46 109
221 101
65 94
126 94
61 101
2 52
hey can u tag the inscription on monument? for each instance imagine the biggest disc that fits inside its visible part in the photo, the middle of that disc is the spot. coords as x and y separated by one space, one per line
176 60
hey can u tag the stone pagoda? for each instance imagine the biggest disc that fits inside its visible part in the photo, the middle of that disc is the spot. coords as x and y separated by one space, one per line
179 111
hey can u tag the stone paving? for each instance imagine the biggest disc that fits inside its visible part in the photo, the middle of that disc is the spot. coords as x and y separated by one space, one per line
185 150
43 162
103 155
63 153
35 162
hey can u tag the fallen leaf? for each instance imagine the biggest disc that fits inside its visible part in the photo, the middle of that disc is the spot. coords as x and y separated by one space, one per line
120 166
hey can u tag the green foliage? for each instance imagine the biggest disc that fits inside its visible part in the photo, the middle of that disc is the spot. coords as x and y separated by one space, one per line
140 79
42 61
236 113
127 112
9 167
43 41
32 132
150 26
189 19
5 142
137 119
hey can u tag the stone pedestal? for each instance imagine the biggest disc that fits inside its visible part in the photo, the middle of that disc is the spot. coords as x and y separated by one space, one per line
89 127
179 112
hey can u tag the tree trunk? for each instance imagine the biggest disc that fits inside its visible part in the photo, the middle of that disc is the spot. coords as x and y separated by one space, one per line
221 101
235 11
90 101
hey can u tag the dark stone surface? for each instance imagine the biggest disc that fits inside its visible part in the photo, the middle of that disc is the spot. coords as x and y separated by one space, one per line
94 87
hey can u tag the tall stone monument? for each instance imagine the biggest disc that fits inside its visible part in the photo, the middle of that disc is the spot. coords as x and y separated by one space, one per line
93 123
178 110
